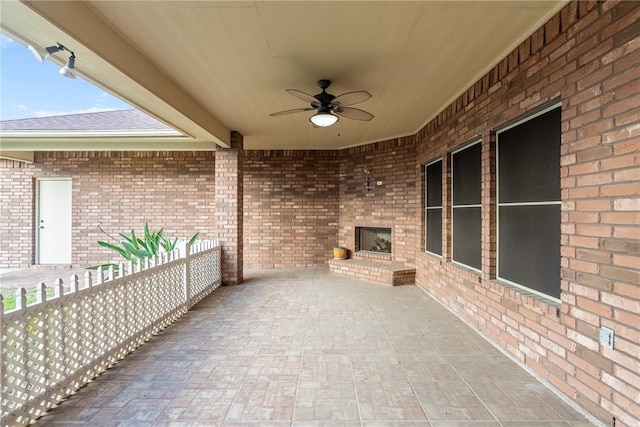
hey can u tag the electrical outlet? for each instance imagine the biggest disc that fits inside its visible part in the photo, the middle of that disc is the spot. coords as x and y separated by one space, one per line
606 337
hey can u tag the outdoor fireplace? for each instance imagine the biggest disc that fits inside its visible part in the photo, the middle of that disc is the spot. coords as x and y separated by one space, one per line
373 239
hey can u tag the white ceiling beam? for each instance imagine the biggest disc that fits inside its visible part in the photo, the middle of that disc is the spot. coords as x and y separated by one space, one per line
79 22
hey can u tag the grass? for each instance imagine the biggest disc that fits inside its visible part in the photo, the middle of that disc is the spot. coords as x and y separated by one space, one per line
10 297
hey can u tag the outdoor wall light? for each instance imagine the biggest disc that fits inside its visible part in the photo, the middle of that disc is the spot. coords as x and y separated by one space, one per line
41 54
367 183
323 118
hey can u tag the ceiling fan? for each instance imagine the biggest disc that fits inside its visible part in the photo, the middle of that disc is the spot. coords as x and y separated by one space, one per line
329 107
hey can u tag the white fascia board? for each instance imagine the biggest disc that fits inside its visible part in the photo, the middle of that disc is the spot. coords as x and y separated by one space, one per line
67 142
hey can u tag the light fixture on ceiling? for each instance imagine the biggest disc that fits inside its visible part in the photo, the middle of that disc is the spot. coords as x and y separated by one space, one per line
41 54
69 70
323 118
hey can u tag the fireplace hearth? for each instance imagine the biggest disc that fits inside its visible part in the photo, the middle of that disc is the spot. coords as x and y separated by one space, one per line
373 239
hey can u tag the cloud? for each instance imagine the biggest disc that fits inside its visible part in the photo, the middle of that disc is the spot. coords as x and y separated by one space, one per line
21 107
46 113
106 97
5 41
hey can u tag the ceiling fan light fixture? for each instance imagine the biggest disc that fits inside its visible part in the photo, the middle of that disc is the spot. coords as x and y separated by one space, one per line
330 108
323 119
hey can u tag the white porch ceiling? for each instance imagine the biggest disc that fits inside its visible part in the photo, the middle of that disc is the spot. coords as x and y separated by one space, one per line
208 67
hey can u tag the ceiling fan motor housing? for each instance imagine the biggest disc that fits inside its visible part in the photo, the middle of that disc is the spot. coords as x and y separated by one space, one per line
323 83
324 97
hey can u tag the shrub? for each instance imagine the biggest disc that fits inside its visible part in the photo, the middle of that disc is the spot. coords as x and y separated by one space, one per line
133 248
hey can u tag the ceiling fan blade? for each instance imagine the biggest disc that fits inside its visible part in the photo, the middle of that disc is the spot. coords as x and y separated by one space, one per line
352 98
303 96
353 113
295 110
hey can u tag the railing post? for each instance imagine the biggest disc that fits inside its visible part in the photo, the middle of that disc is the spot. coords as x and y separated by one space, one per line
123 320
43 338
187 276
41 293
74 283
99 276
90 317
58 287
21 298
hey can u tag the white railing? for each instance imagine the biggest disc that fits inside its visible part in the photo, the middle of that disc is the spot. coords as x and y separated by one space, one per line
53 347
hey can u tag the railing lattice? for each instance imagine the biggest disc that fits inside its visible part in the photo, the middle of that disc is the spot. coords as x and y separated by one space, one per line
55 346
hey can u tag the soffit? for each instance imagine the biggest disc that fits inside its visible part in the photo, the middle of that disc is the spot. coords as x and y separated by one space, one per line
208 67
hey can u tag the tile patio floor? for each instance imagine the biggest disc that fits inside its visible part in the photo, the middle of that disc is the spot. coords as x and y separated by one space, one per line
303 347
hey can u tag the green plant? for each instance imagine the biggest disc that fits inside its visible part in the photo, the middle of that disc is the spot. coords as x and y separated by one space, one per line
10 299
133 248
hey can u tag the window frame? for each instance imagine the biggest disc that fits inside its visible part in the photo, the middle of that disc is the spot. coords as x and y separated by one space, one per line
433 208
520 121
463 206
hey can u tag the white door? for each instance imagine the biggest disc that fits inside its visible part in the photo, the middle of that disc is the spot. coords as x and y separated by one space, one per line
53 221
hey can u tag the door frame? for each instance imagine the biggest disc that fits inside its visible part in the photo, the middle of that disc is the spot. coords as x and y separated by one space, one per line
36 218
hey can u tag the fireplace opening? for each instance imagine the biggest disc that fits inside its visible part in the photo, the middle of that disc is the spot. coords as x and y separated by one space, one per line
373 239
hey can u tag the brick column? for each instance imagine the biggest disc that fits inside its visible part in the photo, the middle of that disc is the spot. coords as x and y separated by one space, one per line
229 174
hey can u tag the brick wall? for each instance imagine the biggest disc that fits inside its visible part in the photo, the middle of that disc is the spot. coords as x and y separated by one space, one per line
121 190
16 214
393 199
299 204
588 57
290 208
229 208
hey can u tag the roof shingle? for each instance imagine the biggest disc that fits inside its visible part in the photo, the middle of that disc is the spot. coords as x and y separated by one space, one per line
119 120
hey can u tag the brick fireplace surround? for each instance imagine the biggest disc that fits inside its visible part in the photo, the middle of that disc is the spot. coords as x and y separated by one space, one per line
294 206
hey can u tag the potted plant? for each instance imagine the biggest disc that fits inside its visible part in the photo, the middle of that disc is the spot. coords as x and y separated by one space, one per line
339 252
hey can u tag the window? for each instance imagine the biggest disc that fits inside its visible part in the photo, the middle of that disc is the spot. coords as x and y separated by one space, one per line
433 207
466 206
528 162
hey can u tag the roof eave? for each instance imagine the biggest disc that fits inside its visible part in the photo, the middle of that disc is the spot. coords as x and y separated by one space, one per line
101 141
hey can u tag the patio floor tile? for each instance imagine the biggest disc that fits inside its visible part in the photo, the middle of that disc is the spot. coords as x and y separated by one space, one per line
305 348
393 401
451 401
326 401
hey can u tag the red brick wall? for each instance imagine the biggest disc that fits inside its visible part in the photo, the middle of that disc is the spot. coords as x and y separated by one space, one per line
229 208
16 214
290 208
392 201
121 190
299 204
588 57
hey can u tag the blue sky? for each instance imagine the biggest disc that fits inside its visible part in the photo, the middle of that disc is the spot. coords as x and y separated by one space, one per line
31 89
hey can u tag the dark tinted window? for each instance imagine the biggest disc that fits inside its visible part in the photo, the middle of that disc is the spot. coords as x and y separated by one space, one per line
466 176
467 219
529 204
529 160
433 208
